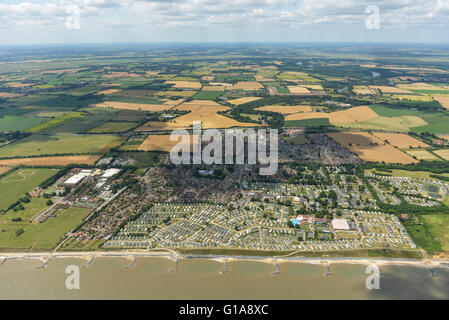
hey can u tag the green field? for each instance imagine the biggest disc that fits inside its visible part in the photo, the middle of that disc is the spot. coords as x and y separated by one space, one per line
439 227
20 123
207 95
298 140
14 185
319 122
405 119
114 127
56 122
38 236
51 145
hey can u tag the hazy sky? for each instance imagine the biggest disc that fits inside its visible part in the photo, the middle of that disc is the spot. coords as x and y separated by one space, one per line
55 21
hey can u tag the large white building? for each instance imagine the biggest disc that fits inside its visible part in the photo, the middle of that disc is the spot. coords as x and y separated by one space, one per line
340 224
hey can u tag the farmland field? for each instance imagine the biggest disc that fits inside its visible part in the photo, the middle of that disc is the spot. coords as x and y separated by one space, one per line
160 143
370 148
422 155
20 123
133 106
402 141
240 101
444 153
50 161
49 145
205 111
207 95
14 185
114 127
286 109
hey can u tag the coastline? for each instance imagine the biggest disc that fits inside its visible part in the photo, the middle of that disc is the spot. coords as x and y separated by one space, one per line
175 256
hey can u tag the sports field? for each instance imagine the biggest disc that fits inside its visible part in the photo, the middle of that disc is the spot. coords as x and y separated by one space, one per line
14 185
38 236
49 145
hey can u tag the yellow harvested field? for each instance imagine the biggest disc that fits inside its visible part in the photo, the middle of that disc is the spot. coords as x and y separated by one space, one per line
312 86
51 161
390 90
9 95
183 94
370 148
262 78
108 92
412 97
443 136
354 114
4 169
298 90
214 88
307 115
361 113
208 78
160 143
137 106
444 153
121 75
240 101
443 100
418 86
247 86
286 109
185 84
401 140
205 111
363 90
422 155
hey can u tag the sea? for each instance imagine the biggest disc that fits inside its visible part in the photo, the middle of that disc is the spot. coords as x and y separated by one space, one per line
150 278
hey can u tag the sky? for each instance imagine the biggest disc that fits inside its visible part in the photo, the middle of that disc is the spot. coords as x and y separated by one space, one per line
131 21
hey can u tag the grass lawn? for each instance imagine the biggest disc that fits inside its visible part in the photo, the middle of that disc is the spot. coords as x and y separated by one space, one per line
20 123
114 127
51 145
14 185
439 227
39 236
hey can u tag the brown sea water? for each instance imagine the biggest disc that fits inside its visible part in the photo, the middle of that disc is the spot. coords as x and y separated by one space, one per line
108 278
